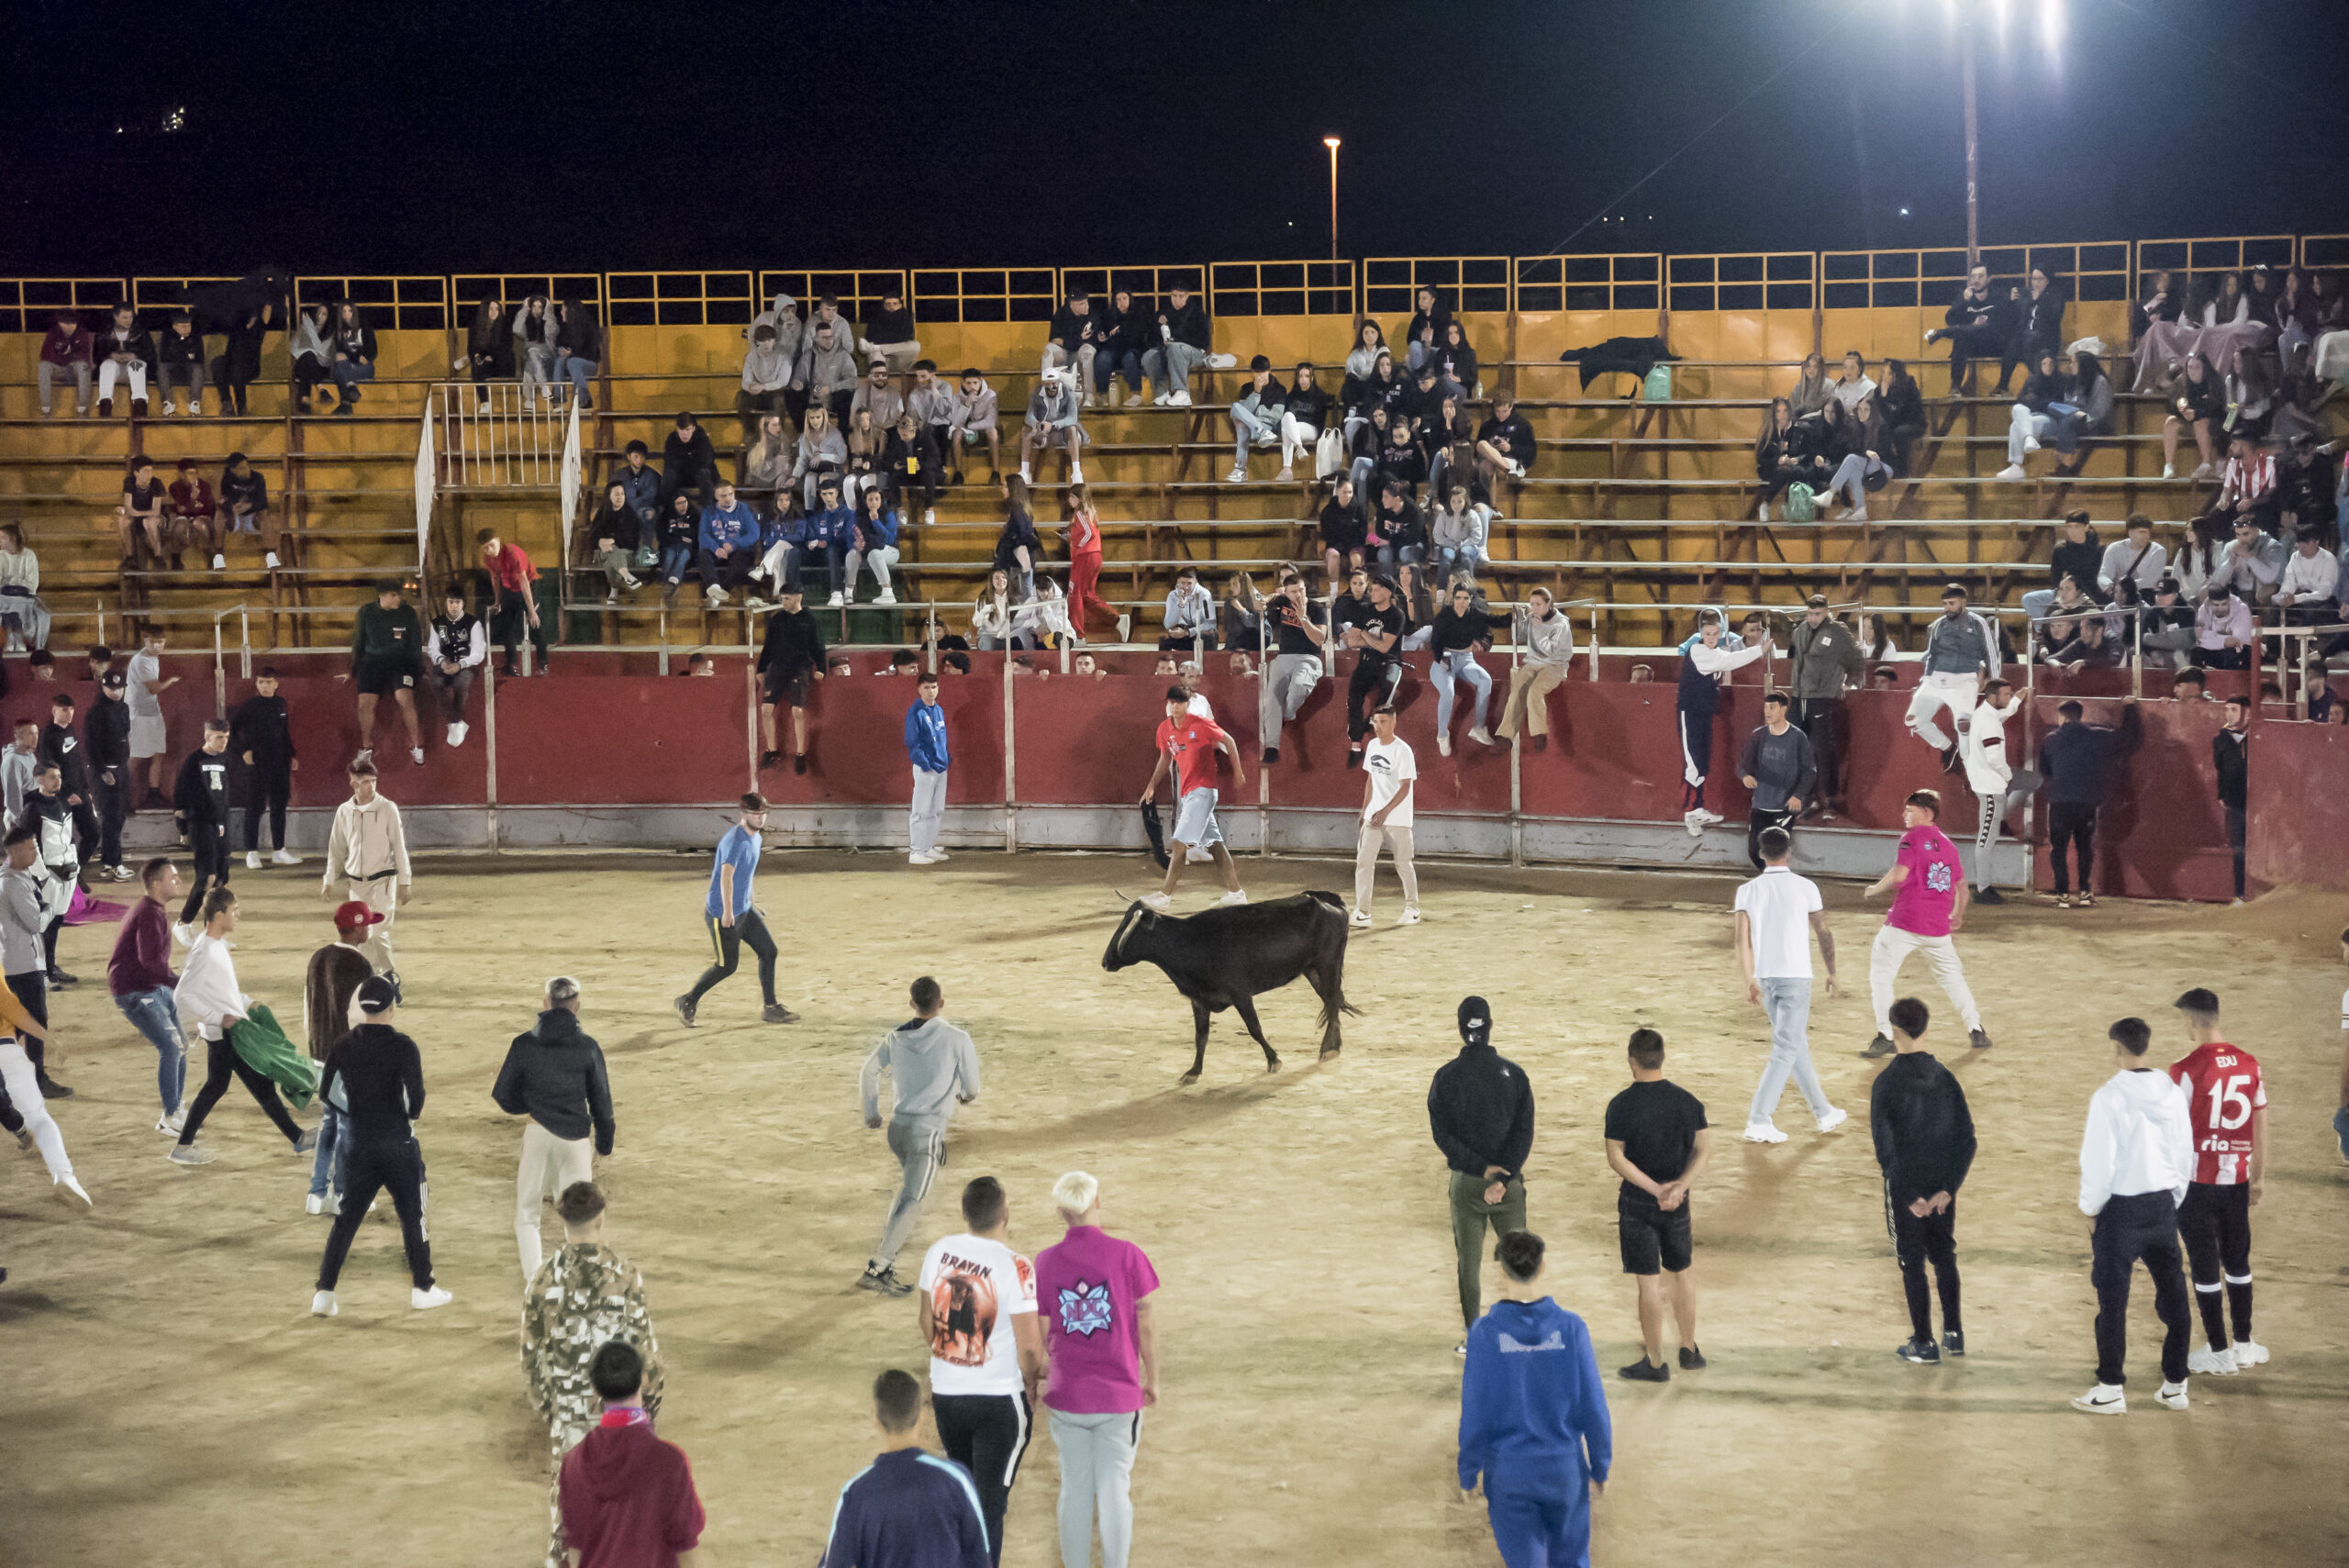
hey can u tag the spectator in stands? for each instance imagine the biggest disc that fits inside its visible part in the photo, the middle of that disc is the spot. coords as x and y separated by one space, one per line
1854 382
1446 440
310 351
1369 343
1902 406
1460 629
489 348
1070 341
126 352
1862 467
871 543
1181 349
791 659
611 536
67 349
862 470
1083 532
974 419
1455 363
180 362
1812 390
22 614
1256 415
2036 326
1418 599
1308 414
2077 557
725 546
1294 662
512 599
2084 413
2167 638
992 614
1126 331
2090 644
457 645
1017 547
2247 485
2197 403
1975 325
2317 693
821 449
821 533
1055 419
937 407
1400 465
1785 453
2202 556
1458 534
1423 402
191 517
239 365
764 475
1365 441
1382 389
875 396
1504 443
2224 632
1346 530
827 368
2134 559
1544 636
888 339
2033 414
910 463
1242 618
676 537
534 346
1190 615
1427 328
688 462
2309 587
2251 392
244 507
642 482
767 370
353 346
140 515
2253 564
1398 531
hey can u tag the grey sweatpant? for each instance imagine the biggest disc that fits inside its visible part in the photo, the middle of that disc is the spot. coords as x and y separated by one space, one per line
1096 1471
1289 680
928 811
920 1149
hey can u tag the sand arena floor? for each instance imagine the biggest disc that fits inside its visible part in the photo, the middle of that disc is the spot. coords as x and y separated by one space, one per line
169 1401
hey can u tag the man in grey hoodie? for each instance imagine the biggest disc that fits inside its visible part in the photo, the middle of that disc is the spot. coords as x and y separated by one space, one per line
932 1067
766 379
827 371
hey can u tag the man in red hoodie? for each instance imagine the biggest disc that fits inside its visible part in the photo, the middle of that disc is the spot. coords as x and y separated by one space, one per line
627 1497
67 350
510 576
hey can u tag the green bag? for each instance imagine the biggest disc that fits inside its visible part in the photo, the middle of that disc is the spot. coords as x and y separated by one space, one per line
262 1044
1657 388
1802 504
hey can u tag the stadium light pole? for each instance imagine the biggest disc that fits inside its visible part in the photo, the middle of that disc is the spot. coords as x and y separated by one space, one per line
1331 143
1962 15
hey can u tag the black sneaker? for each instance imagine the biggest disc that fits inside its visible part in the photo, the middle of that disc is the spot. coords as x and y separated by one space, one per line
1977 1039
684 1006
884 1281
58 979
1691 1359
1880 1046
510 672
1953 1343
1272 755
768 760
1353 759
1922 1352
50 1089
1643 1371
799 762
776 1013
1990 896
1951 760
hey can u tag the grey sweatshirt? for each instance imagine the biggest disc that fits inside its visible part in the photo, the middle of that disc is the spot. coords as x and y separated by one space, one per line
932 1066
1550 642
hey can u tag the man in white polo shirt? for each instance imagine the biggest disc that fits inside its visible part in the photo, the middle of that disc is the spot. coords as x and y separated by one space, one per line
1776 913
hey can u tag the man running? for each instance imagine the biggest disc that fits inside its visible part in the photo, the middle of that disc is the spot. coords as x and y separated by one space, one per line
378 1074
1190 743
2229 1105
2136 1163
731 912
1927 888
1925 1145
932 1068
207 994
1777 913
367 862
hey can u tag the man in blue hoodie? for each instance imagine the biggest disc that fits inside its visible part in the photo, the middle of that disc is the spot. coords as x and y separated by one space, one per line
727 544
1533 1419
907 1508
926 746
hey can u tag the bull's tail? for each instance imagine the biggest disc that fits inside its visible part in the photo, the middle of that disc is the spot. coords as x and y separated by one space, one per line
1333 994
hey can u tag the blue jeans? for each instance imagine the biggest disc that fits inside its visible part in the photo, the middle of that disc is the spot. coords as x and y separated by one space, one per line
1453 559
1789 1004
578 370
2341 1130
674 558
1108 365
157 1016
334 1143
349 373
1450 669
1250 431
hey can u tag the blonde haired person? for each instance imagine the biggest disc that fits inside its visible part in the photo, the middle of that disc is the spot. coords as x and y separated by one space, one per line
1100 1369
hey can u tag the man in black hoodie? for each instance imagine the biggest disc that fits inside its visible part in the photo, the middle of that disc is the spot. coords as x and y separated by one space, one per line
554 1075
1480 1109
106 740
2229 756
262 733
61 745
1924 1144
200 803
377 1074
790 661
687 461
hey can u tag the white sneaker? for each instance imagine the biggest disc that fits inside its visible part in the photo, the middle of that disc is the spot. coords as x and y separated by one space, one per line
2030 445
1695 822
70 1186
194 407
834 603
1158 901
1409 916
928 517
1125 625
1199 857
2250 1354
1026 477
167 405
1707 816
2012 473
483 408
1763 1132
314 1203
1835 1117
2104 1399
885 598
1089 400
220 561
1481 735
1444 745
2169 471
169 1125
1180 400
1237 895
416 756
1286 475
1359 920
185 933
1223 362
1076 473
1762 513
458 731
269 560
1160 400
425 1300
253 860
937 854
918 857
324 1305
755 603
1239 475
1857 515
2203 471
716 594
2212 1363
2172 1396
285 857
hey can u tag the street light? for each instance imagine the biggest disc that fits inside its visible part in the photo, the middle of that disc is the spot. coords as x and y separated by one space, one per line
1331 143
1962 13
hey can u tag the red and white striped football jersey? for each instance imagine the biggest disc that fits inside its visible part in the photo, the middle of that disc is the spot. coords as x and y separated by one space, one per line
2222 1086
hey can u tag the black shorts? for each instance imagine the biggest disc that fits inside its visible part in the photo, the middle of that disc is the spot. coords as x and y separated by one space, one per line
789 685
1652 1238
376 677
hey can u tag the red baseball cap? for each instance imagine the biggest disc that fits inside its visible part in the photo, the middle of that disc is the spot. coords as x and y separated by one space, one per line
354 916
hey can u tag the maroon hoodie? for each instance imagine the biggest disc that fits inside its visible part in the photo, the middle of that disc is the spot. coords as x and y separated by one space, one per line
627 1497
67 345
142 951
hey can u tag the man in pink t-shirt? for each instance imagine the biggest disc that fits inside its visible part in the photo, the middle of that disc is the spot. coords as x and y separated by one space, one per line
1929 897
1101 1369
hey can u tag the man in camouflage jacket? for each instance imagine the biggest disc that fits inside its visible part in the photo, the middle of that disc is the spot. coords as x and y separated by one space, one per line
581 1297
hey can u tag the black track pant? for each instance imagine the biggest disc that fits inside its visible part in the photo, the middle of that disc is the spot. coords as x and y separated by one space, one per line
220 1064
986 1434
1818 717
727 943
2074 827
1372 687
397 1168
2138 1226
207 847
32 995
2215 1224
1914 1242
114 809
269 787
1756 821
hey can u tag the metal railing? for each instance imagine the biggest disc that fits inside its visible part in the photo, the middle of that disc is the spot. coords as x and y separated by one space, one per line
500 434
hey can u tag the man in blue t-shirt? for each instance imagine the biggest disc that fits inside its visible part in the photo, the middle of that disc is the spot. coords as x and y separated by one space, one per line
732 914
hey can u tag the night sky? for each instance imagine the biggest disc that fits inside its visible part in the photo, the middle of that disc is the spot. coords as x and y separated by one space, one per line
433 138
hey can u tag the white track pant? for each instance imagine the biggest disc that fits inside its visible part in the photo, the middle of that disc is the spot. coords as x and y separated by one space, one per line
549 1165
1892 949
16 1072
929 809
1947 690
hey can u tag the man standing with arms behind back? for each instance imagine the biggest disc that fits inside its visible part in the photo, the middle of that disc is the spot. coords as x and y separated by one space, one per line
1480 1109
1925 1145
926 747
367 862
1928 890
932 1068
1101 1369
1777 914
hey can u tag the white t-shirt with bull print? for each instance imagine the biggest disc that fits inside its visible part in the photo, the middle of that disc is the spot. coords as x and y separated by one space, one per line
976 1287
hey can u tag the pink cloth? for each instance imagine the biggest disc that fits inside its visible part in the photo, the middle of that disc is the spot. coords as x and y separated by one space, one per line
87 911
1090 1284
1925 902
2165 342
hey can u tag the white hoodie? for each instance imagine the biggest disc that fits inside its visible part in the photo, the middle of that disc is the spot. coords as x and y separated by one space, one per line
2140 1139
1988 769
